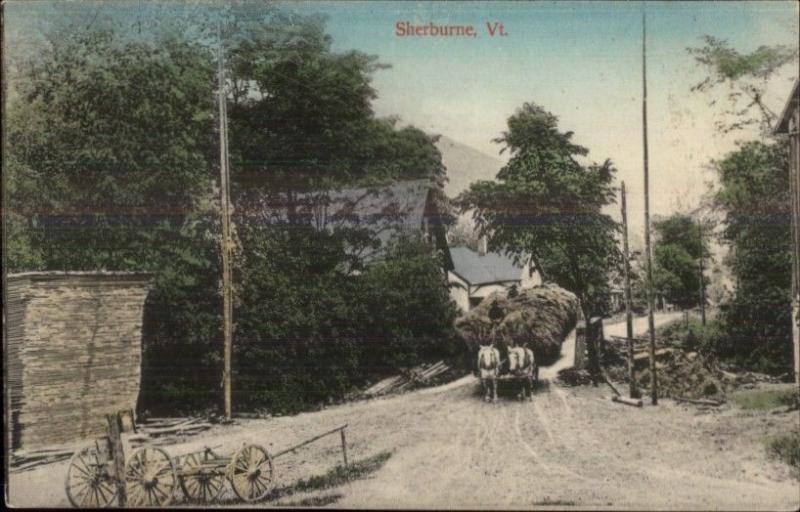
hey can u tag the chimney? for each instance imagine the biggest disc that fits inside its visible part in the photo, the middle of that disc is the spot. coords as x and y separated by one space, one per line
482 245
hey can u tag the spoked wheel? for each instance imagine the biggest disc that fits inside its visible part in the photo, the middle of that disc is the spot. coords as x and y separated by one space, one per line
89 484
251 473
150 478
200 483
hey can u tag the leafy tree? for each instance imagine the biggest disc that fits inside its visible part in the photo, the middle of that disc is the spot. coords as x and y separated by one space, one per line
754 194
308 332
301 116
111 156
108 149
756 200
746 75
547 206
680 245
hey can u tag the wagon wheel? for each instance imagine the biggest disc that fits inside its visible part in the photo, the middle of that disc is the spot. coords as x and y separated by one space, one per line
197 483
251 473
89 484
150 478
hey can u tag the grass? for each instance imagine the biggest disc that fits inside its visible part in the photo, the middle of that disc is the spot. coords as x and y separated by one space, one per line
341 475
787 449
764 399
313 501
336 477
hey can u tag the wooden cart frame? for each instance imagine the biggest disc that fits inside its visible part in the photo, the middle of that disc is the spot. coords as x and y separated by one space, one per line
151 477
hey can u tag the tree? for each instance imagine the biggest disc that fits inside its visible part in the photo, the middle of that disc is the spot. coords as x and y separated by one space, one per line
547 206
756 201
111 155
676 273
754 195
301 116
108 148
746 75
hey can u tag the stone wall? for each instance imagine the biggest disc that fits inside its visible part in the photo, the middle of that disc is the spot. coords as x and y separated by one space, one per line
73 352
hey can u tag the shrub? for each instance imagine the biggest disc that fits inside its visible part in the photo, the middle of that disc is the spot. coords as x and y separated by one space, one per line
787 449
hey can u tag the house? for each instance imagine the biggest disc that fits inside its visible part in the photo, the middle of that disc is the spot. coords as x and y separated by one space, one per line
789 124
386 213
476 274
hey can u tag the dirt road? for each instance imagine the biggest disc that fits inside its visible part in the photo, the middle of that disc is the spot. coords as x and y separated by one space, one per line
570 446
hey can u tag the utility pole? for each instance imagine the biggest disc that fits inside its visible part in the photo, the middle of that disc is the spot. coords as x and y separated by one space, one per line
227 254
628 313
702 281
650 306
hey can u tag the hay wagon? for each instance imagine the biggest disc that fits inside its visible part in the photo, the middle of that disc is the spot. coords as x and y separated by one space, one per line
150 477
516 379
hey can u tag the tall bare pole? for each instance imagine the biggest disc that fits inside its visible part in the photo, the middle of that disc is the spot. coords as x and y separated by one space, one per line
650 301
628 313
702 280
227 256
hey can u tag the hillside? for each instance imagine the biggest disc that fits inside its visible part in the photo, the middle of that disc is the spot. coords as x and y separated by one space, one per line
465 165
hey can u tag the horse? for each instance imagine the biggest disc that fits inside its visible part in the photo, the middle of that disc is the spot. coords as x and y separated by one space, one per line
522 365
488 368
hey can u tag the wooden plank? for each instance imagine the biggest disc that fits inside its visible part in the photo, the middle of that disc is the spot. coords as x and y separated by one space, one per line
608 381
627 401
699 401
118 455
320 436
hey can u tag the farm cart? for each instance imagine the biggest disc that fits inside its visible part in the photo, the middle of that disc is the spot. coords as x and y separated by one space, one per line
151 476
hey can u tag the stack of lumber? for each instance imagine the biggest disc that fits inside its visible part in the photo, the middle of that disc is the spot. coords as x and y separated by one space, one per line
541 316
165 431
73 352
419 375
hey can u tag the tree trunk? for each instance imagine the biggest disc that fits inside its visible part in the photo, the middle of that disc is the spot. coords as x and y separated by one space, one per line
591 345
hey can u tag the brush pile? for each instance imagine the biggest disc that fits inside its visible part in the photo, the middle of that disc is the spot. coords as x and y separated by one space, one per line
684 374
542 316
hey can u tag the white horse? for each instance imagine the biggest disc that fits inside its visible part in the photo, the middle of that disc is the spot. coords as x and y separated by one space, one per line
522 364
488 369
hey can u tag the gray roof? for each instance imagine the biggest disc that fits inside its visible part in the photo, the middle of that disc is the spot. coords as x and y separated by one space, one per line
491 267
387 211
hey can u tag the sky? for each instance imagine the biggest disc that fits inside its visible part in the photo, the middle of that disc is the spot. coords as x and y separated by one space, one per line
579 60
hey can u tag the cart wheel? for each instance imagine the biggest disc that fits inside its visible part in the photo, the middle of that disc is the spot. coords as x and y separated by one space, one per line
89 484
198 484
150 478
251 473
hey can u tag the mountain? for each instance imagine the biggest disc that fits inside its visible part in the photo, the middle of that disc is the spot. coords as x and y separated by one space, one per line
465 165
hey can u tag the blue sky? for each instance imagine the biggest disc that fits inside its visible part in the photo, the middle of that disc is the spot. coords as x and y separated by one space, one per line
581 61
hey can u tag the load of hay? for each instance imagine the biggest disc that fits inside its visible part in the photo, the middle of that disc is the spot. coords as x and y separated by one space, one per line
542 316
